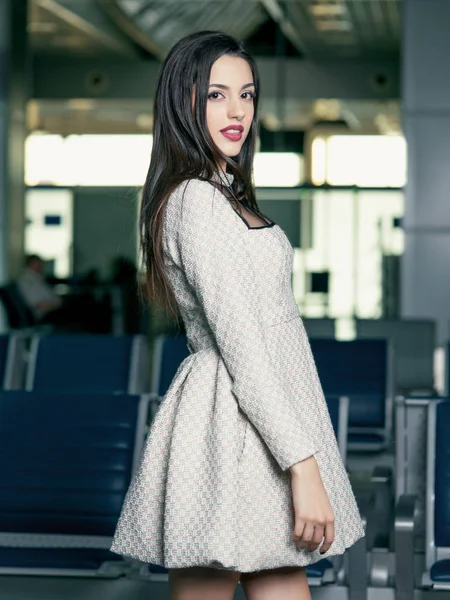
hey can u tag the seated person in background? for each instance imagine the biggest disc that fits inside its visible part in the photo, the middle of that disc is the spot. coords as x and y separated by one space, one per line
73 312
39 296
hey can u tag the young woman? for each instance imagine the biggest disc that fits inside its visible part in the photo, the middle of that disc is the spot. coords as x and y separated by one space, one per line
241 476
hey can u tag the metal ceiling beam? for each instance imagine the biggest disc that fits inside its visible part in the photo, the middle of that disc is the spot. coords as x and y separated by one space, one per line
276 12
131 29
305 79
172 19
89 19
358 16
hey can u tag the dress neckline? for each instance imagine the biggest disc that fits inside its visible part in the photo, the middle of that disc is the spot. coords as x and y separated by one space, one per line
227 179
271 224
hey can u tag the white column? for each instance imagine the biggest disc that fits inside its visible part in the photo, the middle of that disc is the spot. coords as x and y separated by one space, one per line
13 97
425 288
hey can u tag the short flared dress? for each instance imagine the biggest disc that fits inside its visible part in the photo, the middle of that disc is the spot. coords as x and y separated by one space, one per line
213 487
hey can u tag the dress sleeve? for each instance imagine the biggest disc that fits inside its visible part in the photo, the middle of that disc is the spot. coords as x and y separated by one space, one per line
215 259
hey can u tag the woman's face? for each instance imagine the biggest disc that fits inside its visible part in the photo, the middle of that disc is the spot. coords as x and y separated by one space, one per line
230 108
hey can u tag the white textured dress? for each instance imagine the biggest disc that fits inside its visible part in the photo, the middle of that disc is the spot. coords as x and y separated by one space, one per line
213 487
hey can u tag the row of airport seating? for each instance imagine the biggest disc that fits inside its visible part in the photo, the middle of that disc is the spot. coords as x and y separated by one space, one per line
407 550
414 562
71 371
409 366
74 435
66 464
99 363
413 343
67 461
387 358
422 492
79 362
73 417
360 370
366 370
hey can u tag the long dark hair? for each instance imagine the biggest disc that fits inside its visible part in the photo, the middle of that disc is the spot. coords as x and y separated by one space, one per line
183 148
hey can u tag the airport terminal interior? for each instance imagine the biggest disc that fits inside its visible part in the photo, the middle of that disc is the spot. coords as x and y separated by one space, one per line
352 162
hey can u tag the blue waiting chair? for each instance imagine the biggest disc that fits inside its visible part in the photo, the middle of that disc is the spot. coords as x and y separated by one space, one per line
65 466
424 513
437 505
360 370
413 343
403 507
88 363
411 455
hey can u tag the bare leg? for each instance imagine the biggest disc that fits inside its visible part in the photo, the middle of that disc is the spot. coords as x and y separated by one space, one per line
202 583
288 583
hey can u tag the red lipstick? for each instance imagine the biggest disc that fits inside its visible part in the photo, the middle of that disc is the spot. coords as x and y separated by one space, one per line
233 132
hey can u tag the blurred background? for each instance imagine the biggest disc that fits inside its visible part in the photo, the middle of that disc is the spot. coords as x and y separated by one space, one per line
353 163
79 78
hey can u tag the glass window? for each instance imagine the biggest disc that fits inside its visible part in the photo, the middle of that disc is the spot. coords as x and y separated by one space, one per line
352 230
90 160
49 227
122 160
361 160
278 169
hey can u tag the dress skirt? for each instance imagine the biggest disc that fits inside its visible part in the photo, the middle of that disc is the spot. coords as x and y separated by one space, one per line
208 492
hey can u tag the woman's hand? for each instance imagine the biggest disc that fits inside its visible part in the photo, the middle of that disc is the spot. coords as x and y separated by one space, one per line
314 517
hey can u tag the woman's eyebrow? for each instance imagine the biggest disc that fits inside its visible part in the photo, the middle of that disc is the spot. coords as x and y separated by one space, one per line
225 87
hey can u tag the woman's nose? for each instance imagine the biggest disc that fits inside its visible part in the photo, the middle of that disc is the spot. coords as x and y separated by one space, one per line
236 110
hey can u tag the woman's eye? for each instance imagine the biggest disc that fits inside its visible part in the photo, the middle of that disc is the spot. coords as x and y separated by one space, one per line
214 95
249 95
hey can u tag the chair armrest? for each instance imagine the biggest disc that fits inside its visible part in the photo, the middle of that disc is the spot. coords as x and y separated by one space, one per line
382 481
405 524
382 526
